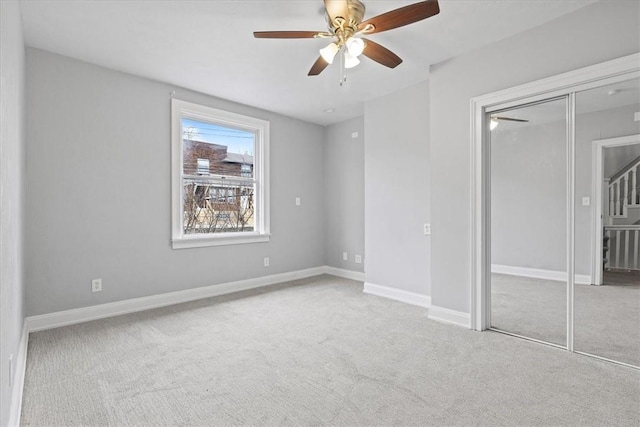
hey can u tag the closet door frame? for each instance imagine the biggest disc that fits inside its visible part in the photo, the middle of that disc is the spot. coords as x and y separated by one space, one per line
566 84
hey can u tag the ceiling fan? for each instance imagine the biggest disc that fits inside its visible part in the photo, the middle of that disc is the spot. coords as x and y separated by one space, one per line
495 121
346 28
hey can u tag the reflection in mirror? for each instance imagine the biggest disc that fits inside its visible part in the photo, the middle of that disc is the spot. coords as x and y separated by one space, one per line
528 221
607 314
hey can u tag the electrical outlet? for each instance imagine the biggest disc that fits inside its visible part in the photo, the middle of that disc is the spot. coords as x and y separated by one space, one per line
297 201
427 229
586 201
354 135
358 259
345 256
266 261
96 285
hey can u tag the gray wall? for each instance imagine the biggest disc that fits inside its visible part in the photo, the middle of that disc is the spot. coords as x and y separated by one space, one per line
528 188
397 190
615 158
344 193
98 179
528 196
12 166
596 33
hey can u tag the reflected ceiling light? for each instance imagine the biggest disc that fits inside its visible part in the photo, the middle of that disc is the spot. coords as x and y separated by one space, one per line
493 124
329 52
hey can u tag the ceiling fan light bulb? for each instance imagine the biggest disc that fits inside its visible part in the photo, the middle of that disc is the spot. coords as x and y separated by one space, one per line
493 124
329 52
350 61
355 46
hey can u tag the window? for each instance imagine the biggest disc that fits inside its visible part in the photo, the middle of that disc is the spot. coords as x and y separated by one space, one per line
203 166
220 177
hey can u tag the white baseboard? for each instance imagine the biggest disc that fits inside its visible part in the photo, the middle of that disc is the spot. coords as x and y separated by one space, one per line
397 294
346 274
536 273
451 317
18 378
85 314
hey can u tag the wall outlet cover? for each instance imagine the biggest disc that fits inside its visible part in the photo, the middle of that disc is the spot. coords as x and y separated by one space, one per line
96 285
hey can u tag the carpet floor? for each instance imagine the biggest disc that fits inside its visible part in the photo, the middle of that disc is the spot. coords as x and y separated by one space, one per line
312 352
606 318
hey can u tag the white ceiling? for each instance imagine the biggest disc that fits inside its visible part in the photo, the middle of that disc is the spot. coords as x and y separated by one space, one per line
208 46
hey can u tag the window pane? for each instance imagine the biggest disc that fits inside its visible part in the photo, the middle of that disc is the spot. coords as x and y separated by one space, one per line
219 149
215 206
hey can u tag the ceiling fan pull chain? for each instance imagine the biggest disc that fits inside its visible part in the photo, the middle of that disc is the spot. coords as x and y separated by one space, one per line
343 70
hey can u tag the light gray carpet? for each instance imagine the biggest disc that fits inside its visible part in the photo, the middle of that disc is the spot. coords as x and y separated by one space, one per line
607 318
312 352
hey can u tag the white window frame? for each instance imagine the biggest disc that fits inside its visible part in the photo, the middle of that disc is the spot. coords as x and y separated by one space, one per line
183 109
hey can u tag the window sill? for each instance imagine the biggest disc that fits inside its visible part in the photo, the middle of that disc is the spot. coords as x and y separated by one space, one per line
204 241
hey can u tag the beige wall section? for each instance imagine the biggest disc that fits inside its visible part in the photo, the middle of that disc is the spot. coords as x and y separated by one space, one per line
99 176
594 34
344 193
12 193
397 170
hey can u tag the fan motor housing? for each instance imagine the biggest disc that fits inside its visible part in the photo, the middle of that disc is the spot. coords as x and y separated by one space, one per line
356 12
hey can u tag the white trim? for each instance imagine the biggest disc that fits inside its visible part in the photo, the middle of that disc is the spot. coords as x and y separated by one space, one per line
200 241
18 378
397 295
346 274
589 77
86 314
571 216
538 273
450 317
597 182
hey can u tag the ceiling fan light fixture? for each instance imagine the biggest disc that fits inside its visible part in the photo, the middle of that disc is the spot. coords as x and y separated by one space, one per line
350 61
329 52
355 46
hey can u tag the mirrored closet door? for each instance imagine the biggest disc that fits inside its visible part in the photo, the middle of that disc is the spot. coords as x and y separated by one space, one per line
528 192
562 195
607 222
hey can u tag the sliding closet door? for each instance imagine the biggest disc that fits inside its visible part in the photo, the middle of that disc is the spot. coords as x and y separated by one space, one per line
607 234
528 231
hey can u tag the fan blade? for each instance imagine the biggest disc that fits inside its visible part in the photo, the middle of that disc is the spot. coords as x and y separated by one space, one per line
290 34
318 66
380 54
510 119
400 17
337 8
